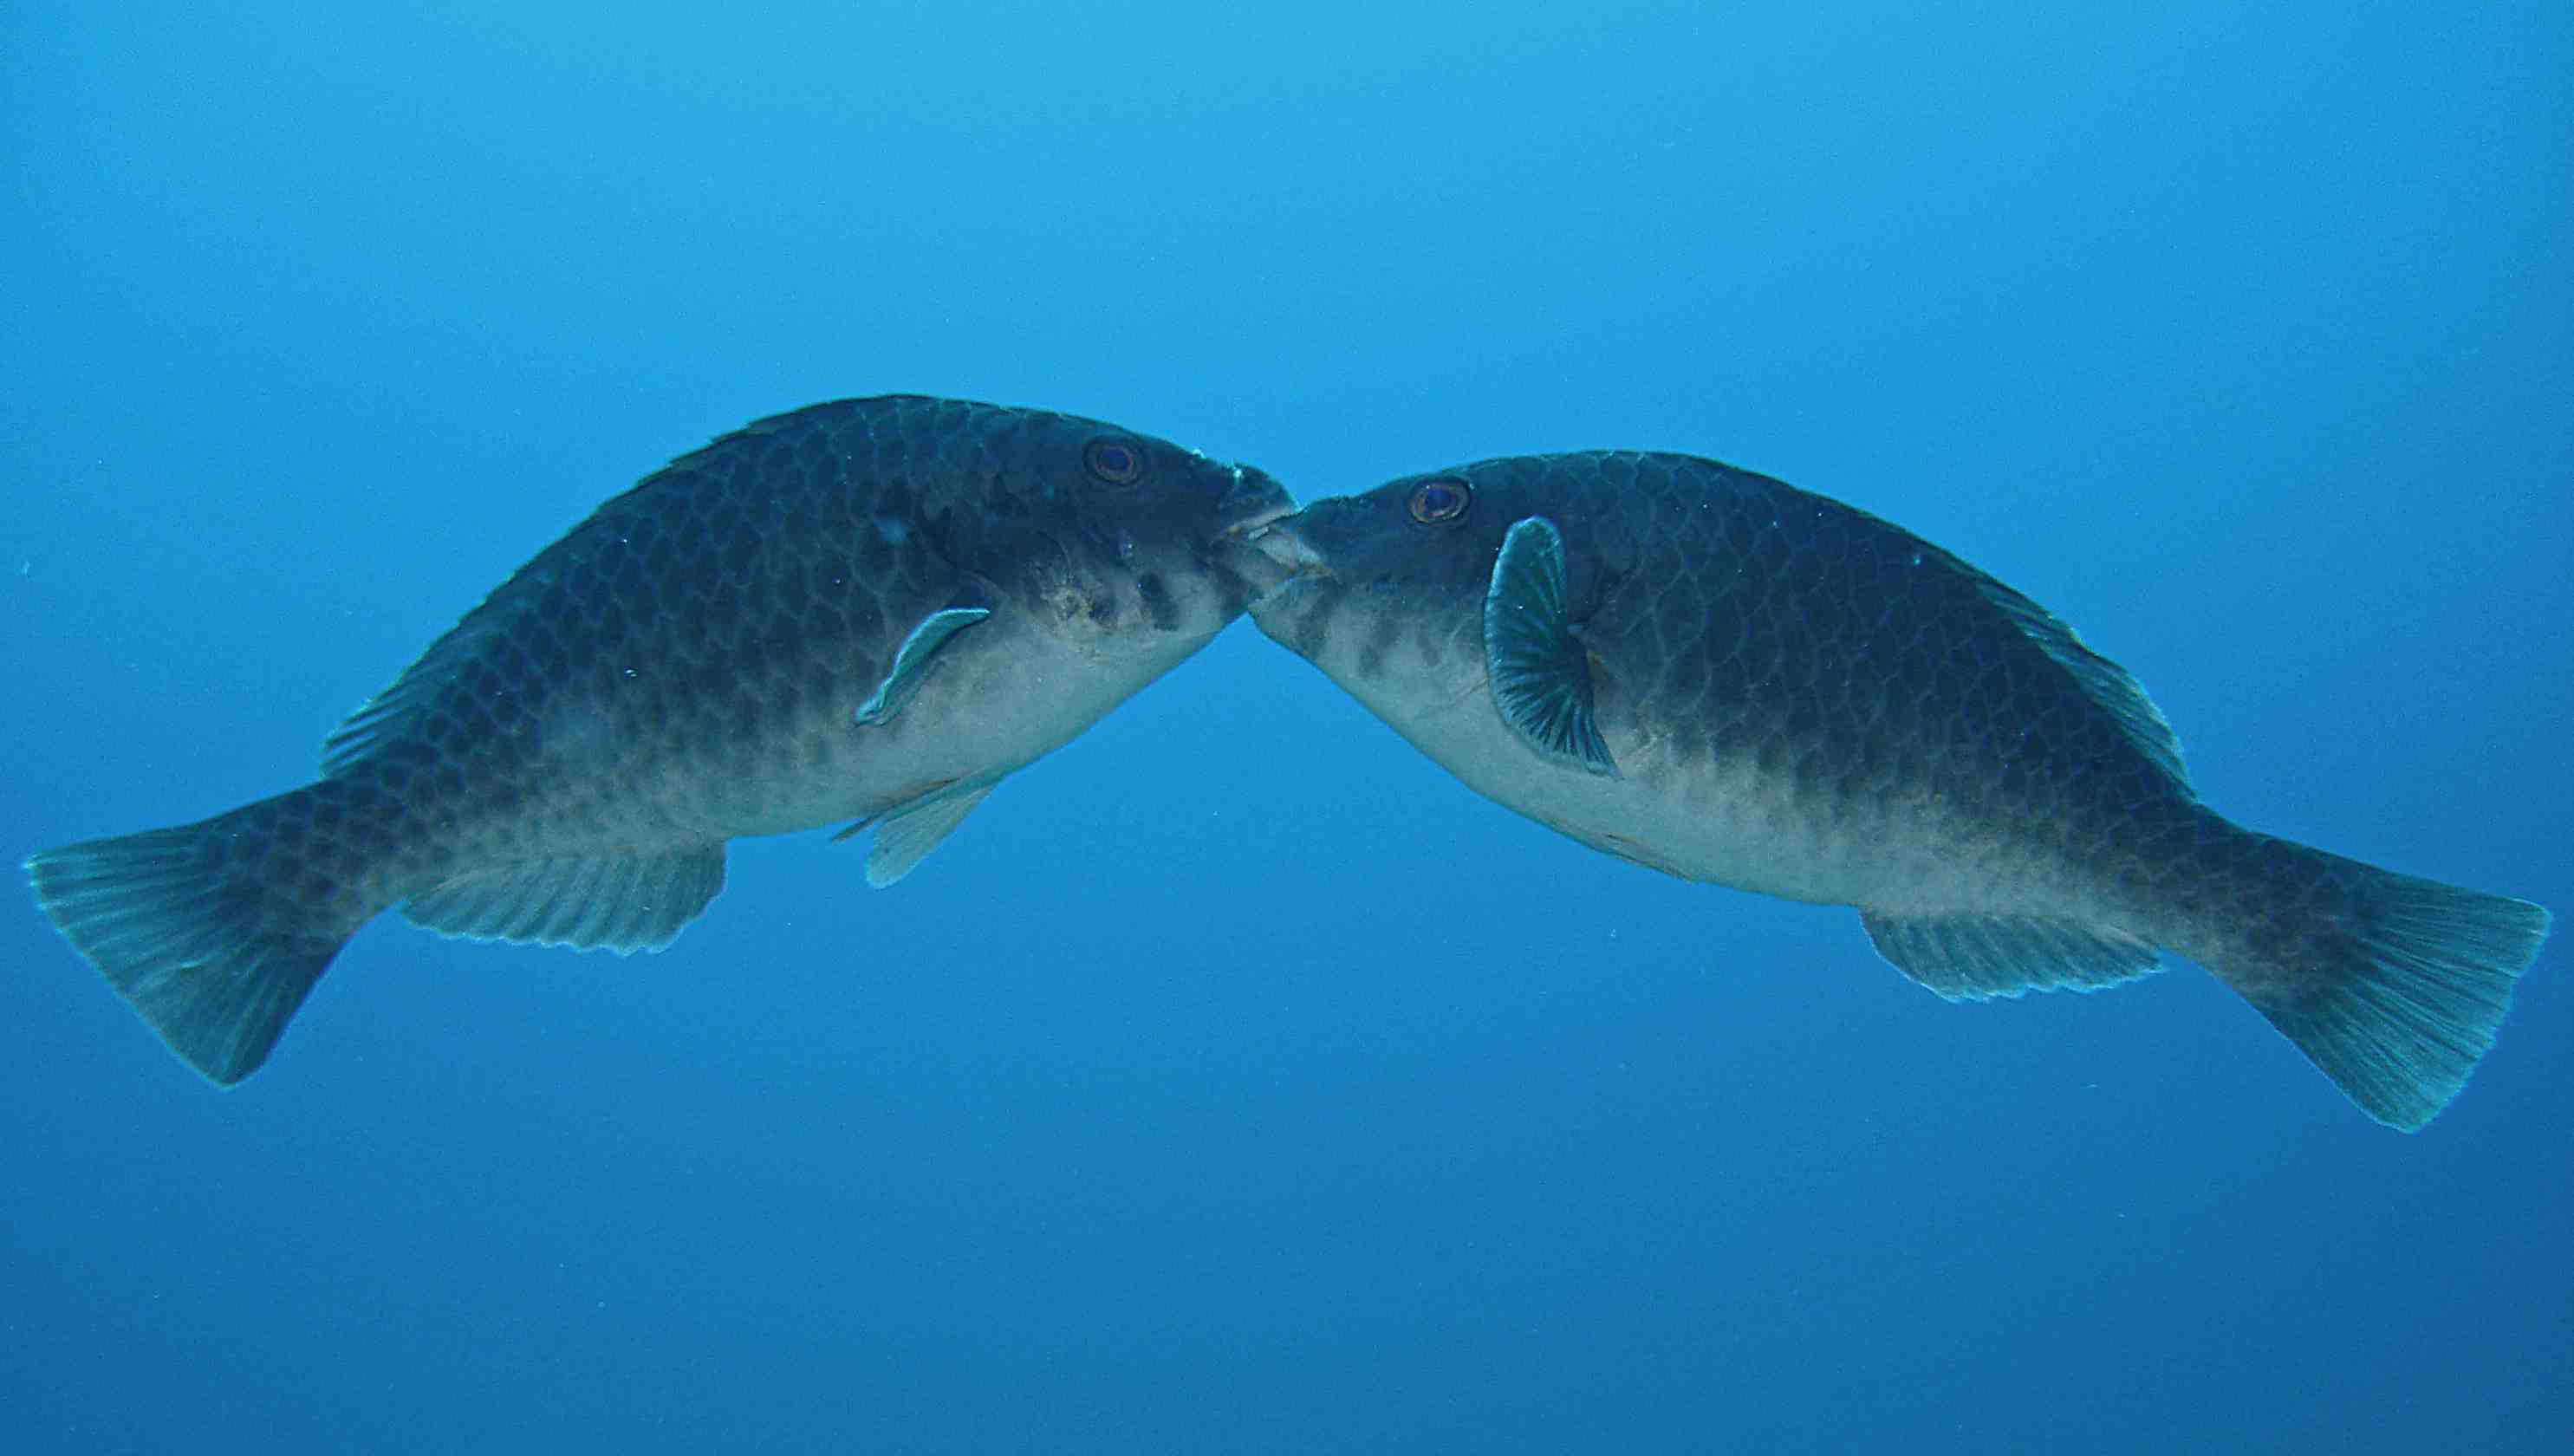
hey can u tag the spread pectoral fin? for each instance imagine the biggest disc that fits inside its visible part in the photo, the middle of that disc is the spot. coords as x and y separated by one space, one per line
913 659
1539 668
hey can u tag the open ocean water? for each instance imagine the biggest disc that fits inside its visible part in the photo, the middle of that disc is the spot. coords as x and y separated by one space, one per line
1236 1081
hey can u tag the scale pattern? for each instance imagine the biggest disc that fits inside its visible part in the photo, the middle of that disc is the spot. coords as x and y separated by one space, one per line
692 662
1792 695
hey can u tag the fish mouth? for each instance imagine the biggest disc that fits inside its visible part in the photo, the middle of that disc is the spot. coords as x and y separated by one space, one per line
1281 545
1250 529
1256 500
1260 544
1274 558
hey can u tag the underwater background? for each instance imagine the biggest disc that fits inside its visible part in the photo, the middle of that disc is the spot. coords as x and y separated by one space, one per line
1236 1081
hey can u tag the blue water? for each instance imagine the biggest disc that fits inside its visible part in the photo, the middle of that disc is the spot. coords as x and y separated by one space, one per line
1235 1080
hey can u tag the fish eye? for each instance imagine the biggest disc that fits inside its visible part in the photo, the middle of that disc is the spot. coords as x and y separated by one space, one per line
1444 499
1115 461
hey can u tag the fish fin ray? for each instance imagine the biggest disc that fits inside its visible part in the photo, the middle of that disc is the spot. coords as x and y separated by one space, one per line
1980 957
2399 999
909 831
212 965
618 903
913 659
1539 670
389 712
2101 681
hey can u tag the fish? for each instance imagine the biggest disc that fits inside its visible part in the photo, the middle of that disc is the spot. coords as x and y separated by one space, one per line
867 609
1714 674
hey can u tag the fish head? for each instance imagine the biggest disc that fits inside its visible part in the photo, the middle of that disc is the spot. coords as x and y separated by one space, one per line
1384 591
1124 543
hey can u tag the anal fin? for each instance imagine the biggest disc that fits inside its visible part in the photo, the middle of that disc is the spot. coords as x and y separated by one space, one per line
619 902
1980 957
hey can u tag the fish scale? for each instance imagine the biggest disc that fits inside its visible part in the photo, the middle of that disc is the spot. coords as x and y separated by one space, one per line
853 611
1722 676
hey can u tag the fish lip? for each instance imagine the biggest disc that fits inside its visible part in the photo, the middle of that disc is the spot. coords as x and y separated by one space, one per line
1284 547
1251 527
1261 500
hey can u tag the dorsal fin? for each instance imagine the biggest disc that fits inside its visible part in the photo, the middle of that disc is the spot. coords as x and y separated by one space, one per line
2103 681
387 712
413 695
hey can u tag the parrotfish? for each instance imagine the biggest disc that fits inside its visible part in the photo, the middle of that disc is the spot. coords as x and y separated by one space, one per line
1723 678
869 611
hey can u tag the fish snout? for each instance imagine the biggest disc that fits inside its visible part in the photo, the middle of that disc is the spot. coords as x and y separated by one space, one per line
1275 559
1288 550
1252 502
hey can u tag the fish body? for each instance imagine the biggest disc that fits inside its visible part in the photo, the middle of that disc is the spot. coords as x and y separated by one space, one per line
1724 678
868 610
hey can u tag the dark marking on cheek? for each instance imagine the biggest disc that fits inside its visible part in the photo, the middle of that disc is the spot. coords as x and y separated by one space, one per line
1232 591
1310 630
1431 647
1102 610
1379 643
1159 608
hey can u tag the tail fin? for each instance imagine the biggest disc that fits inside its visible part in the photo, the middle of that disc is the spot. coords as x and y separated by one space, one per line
2397 986
197 930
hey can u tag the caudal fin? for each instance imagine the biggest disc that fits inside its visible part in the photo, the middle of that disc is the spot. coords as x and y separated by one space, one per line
194 928
2393 987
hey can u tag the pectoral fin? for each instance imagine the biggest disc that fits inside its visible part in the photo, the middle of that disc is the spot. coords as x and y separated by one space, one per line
913 659
1539 670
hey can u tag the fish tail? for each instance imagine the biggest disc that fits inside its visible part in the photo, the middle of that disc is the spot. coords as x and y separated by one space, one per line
214 932
2393 987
